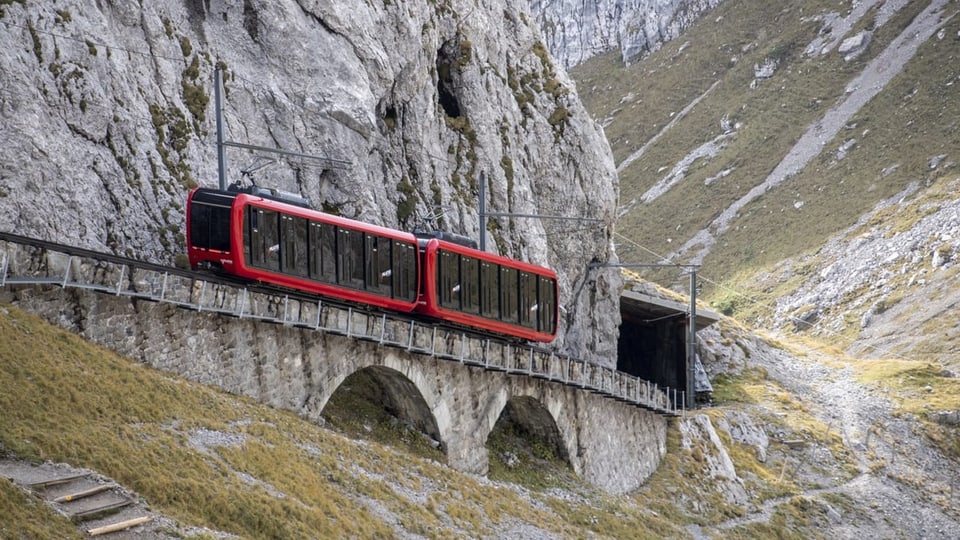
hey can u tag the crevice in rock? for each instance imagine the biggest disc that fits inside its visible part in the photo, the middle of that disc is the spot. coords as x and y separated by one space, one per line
447 59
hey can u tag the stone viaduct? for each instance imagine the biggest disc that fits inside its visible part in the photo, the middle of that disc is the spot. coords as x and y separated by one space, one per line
445 385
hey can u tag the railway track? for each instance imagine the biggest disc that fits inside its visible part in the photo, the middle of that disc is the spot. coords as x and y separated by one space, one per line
28 262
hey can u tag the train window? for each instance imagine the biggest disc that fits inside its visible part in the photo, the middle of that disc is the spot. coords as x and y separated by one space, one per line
404 271
528 300
323 261
293 235
448 279
250 229
350 258
470 284
264 244
379 274
489 290
547 304
210 226
508 295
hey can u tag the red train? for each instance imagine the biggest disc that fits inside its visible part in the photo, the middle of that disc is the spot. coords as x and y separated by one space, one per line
263 236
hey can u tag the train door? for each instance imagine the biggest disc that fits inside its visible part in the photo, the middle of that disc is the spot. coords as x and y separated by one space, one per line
470 284
404 271
263 247
489 290
350 250
323 250
448 279
508 295
528 299
379 274
293 236
547 304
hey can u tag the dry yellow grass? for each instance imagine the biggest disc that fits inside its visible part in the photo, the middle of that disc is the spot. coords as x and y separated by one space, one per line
264 473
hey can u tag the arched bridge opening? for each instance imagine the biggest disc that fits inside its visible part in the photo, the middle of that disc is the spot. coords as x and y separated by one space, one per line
381 404
526 446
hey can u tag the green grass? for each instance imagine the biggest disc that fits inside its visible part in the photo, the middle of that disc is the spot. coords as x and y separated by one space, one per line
357 409
536 465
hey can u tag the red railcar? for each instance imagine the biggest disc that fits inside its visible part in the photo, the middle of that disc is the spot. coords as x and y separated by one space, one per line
280 242
473 288
291 246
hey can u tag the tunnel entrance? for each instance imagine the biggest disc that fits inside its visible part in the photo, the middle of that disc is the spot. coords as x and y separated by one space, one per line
525 447
653 338
380 404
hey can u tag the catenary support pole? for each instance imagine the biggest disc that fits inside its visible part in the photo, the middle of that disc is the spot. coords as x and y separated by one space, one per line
221 150
692 338
483 211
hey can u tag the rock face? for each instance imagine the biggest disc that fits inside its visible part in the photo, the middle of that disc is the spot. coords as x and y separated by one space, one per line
108 121
577 31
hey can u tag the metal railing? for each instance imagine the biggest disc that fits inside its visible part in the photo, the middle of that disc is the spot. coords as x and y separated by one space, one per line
30 262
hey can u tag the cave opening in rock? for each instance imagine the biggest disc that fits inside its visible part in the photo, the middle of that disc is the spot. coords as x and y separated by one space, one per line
447 60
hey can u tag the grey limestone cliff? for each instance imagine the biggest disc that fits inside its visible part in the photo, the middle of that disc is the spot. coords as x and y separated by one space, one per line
107 121
578 30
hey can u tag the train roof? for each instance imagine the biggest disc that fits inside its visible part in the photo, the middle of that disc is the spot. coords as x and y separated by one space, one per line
489 257
324 217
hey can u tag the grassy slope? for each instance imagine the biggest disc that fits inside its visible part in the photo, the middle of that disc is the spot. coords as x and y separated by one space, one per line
65 400
68 401
912 120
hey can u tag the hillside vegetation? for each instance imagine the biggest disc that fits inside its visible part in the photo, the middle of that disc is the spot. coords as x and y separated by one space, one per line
857 249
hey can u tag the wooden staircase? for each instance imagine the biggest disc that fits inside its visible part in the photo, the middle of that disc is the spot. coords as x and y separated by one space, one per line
96 504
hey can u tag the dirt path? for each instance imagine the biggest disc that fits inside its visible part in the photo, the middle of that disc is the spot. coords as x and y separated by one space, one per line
905 487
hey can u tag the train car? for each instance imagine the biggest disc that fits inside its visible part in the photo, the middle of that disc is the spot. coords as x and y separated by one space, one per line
279 240
473 288
261 236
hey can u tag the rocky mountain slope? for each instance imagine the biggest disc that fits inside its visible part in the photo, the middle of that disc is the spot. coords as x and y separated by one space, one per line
108 121
577 31
804 153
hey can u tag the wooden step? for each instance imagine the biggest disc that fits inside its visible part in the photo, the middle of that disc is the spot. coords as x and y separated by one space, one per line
84 493
56 481
119 526
99 511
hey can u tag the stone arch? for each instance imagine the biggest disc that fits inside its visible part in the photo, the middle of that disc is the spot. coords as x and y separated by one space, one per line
530 419
386 387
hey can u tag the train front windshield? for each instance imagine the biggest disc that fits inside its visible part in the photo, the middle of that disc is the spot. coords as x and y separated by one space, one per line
210 220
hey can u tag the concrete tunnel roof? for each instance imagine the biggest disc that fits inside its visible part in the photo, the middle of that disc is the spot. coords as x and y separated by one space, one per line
644 306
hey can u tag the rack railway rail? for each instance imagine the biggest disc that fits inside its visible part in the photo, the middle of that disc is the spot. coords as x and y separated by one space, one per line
32 262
